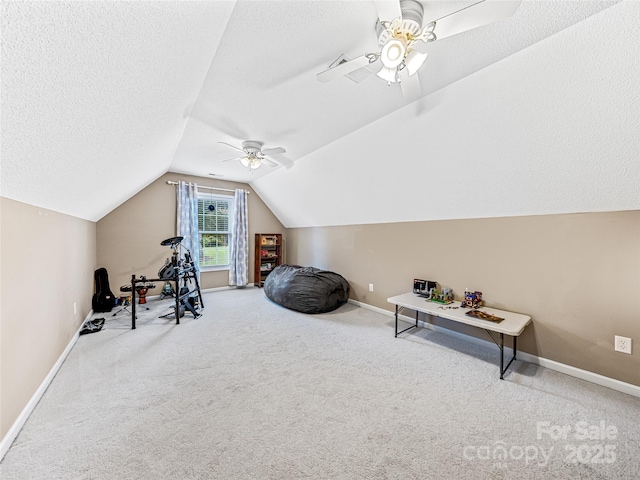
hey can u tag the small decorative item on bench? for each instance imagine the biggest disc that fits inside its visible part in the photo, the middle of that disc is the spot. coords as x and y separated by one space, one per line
472 299
484 316
445 296
422 287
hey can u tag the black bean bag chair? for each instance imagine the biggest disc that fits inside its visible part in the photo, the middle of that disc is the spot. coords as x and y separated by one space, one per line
306 289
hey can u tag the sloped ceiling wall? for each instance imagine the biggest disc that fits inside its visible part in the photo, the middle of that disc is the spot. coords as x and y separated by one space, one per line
552 129
103 70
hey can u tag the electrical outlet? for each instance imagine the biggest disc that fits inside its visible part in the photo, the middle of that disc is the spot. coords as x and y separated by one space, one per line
75 307
623 344
371 287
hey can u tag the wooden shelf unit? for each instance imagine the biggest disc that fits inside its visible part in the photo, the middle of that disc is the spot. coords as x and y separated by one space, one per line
268 255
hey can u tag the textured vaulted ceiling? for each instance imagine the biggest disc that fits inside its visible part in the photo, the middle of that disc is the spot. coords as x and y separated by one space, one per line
101 98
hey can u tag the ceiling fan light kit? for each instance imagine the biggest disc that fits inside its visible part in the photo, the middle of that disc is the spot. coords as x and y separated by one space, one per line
251 162
397 40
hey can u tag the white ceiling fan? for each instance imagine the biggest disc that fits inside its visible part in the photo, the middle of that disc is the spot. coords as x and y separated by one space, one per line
400 31
253 156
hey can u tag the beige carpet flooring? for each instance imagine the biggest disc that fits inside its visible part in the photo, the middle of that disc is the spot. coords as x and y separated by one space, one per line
254 391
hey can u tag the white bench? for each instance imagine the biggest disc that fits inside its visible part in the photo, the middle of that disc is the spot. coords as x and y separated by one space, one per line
512 325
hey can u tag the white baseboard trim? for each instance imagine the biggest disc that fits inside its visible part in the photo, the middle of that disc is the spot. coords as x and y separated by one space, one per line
228 287
13 432
592 377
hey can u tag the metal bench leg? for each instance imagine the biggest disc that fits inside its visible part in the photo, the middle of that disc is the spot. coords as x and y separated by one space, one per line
398 310
500 345
515 350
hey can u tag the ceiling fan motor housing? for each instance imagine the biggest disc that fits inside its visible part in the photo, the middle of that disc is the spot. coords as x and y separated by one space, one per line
252 147
410 23
412 10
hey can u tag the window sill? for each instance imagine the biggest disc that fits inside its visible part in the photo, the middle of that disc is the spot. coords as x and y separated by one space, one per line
214 269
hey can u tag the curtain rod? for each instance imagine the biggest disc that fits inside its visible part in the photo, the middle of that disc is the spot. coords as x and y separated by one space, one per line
171 182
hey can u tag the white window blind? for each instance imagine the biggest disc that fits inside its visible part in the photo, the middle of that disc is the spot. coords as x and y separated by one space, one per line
215 214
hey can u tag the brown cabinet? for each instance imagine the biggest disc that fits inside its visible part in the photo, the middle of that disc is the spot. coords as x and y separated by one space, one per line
268 255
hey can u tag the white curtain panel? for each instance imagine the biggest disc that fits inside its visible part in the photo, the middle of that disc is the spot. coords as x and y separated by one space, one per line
187 220
239 249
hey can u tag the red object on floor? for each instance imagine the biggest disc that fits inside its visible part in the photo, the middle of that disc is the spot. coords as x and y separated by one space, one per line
143 295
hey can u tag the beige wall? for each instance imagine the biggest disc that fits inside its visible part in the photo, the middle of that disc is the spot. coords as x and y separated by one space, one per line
578 276
48 260
128 238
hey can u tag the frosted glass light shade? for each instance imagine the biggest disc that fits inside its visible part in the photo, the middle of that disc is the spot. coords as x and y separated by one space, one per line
251 162
388 74
392 53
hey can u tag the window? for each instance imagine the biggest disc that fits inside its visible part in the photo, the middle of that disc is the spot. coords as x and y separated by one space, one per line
215 215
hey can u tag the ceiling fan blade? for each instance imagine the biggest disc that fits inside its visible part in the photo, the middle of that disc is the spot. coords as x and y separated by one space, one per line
388 9
270 162
232 146
410 85
343 69
473 16
231 159
273 151
284 161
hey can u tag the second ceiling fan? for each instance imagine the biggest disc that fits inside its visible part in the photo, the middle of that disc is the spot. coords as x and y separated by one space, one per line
253 156
400 32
